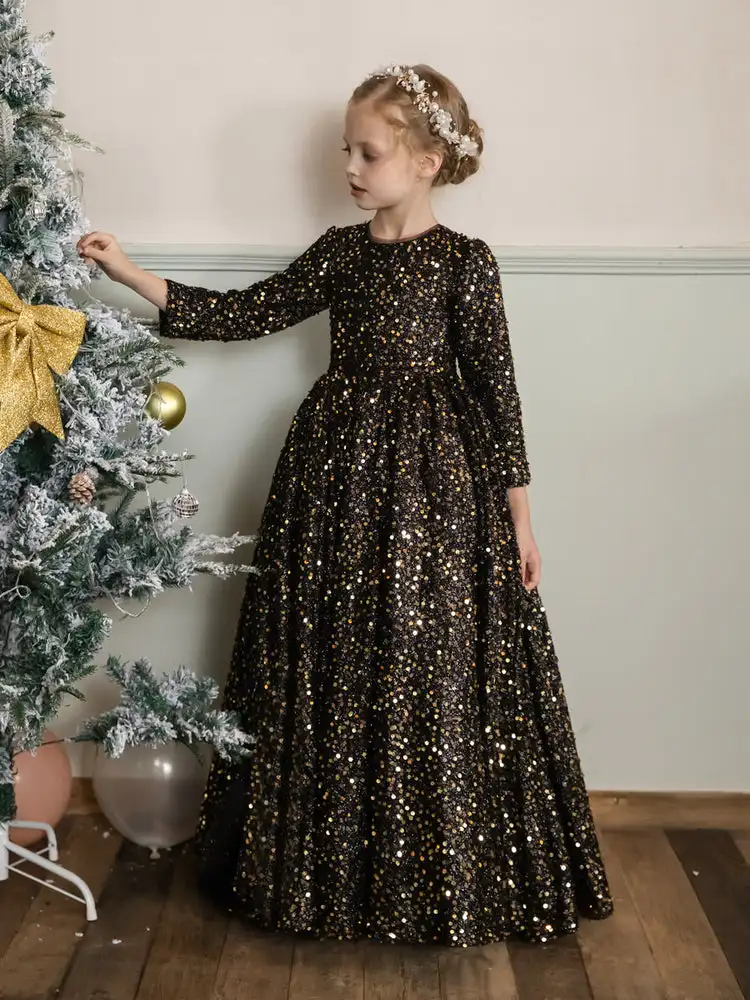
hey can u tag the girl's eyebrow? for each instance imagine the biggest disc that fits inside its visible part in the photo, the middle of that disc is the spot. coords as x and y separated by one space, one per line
366 143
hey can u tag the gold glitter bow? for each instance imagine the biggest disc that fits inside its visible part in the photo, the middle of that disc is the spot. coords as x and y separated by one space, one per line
33 340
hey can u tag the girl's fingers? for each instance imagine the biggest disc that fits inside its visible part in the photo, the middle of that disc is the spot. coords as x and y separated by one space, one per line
535 573
94 248
92 254
531 571
102 240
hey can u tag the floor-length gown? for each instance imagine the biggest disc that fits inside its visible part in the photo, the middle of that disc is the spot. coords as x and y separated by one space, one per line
415 776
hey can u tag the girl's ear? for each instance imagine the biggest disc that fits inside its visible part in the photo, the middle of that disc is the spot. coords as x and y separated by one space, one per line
430 162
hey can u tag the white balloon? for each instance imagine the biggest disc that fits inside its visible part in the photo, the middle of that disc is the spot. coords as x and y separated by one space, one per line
152 795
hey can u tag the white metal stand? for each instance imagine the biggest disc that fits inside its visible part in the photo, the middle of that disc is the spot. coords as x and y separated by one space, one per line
7 847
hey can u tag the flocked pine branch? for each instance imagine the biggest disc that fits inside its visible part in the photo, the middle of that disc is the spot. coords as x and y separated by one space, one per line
154 710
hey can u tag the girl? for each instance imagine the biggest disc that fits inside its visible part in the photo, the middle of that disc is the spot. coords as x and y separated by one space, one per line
415 777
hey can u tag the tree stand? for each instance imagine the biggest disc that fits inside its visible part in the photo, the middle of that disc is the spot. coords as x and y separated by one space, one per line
45 858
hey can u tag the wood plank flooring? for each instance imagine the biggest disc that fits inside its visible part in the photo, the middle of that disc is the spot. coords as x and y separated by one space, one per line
681 931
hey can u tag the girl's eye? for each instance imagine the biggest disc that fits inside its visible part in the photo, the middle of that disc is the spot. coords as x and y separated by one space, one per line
369 157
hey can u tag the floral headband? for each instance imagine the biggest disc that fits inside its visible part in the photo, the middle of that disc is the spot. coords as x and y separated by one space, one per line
440 120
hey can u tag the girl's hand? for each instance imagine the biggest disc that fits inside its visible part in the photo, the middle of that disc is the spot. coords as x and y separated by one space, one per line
104 250
531 560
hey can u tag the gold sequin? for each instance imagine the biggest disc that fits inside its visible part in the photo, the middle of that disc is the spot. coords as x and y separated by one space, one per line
416 777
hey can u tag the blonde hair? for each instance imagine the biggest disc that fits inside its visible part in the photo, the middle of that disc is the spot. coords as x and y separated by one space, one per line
414 127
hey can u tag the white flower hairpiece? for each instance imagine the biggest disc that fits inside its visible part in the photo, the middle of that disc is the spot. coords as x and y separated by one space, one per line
440 120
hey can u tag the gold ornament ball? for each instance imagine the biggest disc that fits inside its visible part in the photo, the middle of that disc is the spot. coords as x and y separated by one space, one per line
166 404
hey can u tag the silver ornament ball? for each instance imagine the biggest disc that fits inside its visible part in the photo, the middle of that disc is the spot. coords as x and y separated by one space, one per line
185 504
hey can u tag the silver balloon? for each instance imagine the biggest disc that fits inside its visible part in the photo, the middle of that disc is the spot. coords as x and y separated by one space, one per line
152 795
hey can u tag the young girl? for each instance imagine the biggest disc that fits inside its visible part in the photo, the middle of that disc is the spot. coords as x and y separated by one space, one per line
415 777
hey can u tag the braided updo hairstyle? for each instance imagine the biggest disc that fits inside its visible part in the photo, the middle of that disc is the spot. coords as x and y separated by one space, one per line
414 128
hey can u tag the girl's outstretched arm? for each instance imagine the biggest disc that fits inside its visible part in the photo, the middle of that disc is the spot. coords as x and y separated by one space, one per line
192 313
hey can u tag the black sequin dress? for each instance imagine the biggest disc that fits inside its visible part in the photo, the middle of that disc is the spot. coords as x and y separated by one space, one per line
416 777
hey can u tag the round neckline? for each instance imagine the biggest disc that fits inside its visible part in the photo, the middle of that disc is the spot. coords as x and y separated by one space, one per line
400 239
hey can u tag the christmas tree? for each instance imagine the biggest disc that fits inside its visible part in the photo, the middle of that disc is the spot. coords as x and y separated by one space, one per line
79 530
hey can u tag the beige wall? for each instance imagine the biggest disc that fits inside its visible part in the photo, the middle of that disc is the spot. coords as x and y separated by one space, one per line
609 125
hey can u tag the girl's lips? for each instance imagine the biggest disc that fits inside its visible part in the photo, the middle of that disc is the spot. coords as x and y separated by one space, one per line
356 190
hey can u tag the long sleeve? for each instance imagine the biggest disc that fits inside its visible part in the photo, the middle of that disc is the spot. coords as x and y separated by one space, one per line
275 303
485 360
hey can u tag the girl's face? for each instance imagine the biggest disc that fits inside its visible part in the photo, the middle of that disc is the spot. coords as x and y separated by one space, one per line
382 171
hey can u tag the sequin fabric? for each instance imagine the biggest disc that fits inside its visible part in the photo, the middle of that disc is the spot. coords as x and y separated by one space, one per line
416 777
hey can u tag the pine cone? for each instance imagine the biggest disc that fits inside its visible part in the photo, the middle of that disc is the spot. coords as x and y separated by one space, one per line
81 488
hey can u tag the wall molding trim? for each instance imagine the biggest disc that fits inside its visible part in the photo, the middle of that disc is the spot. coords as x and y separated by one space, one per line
248 259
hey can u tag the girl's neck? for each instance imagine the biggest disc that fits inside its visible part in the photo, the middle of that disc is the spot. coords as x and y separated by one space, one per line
399 224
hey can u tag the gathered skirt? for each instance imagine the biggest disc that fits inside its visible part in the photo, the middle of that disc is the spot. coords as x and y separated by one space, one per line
414 776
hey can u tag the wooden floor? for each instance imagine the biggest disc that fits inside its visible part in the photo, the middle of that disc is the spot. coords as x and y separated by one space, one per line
681 932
